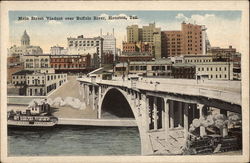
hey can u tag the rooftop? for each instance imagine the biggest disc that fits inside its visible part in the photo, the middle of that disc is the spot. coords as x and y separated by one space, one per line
23 72
183 65
158 62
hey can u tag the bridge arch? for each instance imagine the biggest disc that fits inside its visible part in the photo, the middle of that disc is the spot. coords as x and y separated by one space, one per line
115 102
138 118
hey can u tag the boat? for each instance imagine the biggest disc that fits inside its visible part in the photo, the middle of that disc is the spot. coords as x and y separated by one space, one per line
37 114
29 121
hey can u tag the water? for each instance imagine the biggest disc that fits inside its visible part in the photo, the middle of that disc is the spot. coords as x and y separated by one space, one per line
74 140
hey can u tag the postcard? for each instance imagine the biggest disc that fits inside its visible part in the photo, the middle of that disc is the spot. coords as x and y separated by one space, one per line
139 81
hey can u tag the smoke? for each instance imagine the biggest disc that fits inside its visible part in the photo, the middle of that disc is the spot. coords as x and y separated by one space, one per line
35 102
59 102
217 120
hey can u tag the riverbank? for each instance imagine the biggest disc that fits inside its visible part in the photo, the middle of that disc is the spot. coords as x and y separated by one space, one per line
98 122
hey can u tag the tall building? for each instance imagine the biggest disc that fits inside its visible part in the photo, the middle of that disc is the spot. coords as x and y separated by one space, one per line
58 50
146 34
191 39
25 48
87 46
171 43
133 33
109 43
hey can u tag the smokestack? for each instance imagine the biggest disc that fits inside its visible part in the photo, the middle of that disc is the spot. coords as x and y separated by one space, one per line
101 32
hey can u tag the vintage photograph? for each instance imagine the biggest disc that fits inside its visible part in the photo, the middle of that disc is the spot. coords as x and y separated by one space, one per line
124 83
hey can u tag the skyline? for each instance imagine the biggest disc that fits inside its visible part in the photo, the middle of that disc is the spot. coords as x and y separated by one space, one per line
223 27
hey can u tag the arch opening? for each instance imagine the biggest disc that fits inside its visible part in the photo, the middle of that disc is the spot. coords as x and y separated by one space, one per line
115 105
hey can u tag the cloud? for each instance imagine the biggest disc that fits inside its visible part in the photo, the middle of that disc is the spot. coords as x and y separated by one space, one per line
195 18
181 16
54 22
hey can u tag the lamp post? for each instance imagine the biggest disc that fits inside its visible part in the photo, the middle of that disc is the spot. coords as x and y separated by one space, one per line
228 60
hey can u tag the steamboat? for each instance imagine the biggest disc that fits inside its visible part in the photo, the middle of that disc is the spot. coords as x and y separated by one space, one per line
37 114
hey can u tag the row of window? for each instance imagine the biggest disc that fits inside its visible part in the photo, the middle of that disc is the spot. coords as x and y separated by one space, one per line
218 76
68 66
50 77
79 42
154 68
67 60
194 49
42 60
199 60
17 77
211 69
76 45
36 66
173 35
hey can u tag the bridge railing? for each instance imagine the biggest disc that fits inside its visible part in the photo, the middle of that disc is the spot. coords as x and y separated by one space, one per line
229 91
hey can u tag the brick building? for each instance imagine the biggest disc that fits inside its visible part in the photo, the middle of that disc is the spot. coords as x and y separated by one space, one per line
70 63
191 39
135 56
218 50
137 47
171 43
14 65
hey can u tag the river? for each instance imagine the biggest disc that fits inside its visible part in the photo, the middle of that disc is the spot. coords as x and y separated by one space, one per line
74 140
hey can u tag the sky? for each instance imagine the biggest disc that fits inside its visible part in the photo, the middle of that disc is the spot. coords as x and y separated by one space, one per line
223 27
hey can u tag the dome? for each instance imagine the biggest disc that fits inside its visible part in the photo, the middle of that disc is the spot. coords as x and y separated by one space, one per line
25 39
25 36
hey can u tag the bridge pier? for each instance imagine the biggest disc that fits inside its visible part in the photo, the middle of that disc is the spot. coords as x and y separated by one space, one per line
166 115
186 125
146 146
88 96
99 102
224 131
201 108
93 97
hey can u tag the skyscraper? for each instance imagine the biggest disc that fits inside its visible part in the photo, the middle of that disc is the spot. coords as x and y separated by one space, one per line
191 39
146 34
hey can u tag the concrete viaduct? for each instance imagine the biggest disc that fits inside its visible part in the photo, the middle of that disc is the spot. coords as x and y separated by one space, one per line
162 108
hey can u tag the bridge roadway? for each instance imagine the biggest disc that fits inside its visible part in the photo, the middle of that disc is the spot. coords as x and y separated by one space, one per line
227 91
